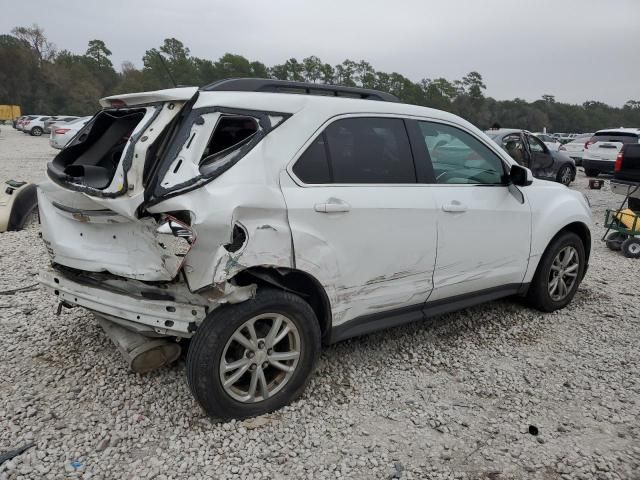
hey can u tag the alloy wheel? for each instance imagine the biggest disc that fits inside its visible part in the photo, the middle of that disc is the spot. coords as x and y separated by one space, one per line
563 273
260 358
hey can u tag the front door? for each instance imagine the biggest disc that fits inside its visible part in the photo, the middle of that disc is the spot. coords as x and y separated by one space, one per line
541 159
361 224
484 231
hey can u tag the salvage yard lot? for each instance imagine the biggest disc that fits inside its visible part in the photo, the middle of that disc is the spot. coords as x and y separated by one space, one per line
453 398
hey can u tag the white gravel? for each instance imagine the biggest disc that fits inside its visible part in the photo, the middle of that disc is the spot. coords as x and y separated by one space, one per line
454 398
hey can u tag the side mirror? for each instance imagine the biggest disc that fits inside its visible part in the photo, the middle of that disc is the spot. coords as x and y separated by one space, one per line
520 176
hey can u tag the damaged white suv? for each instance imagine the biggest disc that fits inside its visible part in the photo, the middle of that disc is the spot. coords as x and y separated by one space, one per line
261 219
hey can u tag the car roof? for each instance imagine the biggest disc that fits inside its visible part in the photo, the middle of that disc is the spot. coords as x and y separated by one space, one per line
505 131
619 129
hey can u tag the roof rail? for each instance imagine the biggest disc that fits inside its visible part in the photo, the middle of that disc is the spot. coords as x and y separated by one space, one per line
285 86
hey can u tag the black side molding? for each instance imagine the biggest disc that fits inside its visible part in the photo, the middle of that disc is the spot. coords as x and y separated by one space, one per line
393 318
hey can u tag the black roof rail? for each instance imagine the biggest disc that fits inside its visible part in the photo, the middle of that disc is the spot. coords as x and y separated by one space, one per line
285 86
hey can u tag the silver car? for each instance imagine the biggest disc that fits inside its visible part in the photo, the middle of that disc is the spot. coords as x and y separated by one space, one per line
531 152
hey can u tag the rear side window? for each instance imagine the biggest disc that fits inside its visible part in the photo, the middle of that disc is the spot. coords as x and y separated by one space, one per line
230 133
621 137
359 150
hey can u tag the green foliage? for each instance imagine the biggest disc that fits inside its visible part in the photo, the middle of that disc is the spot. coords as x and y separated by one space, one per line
41 80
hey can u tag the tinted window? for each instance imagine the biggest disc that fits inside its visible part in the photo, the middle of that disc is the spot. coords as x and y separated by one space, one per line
459 158
313 166
622 137
370 150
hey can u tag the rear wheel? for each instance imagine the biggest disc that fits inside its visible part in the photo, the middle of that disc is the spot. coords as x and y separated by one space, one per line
254 357
36 131
591 172
565 175
559 273
631 247
614 240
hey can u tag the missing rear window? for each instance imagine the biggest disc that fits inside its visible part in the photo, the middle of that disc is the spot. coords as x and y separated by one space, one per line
230 133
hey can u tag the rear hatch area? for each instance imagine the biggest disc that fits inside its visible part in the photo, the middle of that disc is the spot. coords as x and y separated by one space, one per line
606 145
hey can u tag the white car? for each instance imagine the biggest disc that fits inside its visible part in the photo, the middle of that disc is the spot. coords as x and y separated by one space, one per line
552 143
575 147
35 126
601 150
263 218
62 133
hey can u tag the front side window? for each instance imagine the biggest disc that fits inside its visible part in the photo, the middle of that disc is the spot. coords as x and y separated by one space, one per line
459 158
359 150
535 144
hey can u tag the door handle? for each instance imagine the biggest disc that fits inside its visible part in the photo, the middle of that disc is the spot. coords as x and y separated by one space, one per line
331 207
455 207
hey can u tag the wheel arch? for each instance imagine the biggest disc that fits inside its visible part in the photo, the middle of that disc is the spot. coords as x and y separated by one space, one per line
581 230
295 281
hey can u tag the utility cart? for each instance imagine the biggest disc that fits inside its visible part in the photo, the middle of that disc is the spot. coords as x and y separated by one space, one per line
623 223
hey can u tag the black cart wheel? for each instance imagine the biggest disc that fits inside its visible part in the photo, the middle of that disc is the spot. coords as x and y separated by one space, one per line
253 357
614 240
631 247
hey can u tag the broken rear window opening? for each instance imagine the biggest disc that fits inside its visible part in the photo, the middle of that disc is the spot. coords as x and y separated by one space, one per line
93 157
230 133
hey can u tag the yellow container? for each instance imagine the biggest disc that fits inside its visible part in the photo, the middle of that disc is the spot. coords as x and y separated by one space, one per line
628 218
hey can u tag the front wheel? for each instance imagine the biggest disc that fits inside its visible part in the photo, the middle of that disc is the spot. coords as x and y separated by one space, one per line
591 172
36 131
559 273
565 175
253 357
631 247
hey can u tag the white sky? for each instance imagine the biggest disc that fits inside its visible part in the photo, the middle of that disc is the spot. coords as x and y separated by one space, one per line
576 50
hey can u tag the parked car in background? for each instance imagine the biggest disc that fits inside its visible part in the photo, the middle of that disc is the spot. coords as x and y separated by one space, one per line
34 126
552 142
575 147
58 119
24 119
282 183
528 150
601 150
61 133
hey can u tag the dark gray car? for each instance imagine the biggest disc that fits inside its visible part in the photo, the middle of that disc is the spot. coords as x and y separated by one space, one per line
531 152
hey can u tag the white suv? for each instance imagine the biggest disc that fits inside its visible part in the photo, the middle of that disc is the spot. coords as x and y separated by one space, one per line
601 150
35 125
261 219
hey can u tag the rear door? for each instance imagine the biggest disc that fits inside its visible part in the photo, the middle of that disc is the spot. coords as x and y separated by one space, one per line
361 224
484 230
607 145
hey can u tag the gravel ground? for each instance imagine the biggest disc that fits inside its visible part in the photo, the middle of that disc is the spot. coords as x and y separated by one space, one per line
454 398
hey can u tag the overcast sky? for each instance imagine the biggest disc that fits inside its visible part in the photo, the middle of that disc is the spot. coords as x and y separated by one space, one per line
576 50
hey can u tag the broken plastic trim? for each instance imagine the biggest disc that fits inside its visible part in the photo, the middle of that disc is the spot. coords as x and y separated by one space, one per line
66 181
157 193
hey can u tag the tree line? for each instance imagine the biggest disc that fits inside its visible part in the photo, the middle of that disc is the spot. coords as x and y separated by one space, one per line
44 80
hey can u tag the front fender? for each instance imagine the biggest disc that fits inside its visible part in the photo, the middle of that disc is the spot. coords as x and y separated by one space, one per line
554 207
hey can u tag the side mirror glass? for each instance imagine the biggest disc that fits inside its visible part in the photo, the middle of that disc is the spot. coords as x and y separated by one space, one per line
520 176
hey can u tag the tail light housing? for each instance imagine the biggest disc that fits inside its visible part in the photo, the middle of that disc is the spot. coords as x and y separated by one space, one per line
61 131
618 165
589 142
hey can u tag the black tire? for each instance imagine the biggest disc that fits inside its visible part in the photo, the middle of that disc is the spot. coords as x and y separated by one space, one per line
208 344
538 295
591 172
614 240
631 247
565 171
35 132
